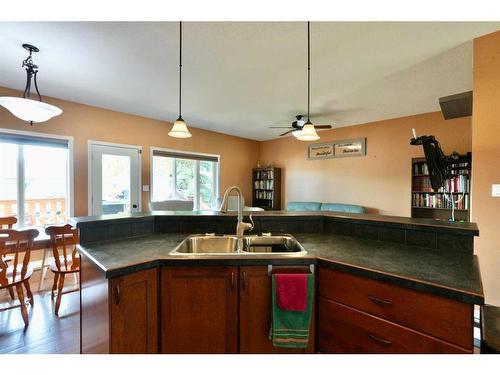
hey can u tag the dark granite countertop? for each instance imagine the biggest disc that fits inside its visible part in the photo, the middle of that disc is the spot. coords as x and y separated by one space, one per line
404 222
448 274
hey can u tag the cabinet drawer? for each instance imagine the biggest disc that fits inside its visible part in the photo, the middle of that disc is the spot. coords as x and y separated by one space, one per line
440 317
342 329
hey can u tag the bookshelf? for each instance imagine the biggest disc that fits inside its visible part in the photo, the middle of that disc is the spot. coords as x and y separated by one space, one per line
428 203
266 188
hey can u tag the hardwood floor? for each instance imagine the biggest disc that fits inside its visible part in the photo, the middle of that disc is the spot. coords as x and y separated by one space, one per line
46 333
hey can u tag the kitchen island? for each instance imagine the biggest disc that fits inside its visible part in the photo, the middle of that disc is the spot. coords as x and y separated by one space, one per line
384 284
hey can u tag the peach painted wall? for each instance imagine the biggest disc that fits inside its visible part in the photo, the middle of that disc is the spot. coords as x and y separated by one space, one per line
381 180
486 160
238 155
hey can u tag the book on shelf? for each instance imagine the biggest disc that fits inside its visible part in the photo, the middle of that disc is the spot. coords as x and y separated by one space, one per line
263 184
264 175
429 203
262 194
420 168
457 184
426 200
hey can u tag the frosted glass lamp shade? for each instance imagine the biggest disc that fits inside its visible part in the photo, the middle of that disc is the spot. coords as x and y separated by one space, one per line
308 133
179 129
30 110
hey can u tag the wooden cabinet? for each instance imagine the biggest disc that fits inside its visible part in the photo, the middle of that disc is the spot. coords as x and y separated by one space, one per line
256 312
343 329
412 321
211 309
134 313
199 310
219 310
118 315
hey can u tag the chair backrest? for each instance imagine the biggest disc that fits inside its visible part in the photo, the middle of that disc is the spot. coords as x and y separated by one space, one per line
63 240
171 205
18 243
7 222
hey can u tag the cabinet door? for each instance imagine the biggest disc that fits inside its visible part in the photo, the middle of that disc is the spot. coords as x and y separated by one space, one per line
255 311
199 310
342 329
134 312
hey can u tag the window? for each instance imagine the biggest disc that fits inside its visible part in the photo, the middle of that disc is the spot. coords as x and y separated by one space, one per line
34 182
183 176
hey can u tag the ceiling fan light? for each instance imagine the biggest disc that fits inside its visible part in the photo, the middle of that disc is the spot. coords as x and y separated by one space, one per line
30 110
297 133
308 133
179 129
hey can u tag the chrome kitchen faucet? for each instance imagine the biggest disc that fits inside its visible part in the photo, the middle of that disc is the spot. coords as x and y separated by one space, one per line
241 227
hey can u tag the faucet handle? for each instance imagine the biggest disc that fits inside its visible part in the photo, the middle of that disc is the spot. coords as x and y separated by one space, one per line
252 225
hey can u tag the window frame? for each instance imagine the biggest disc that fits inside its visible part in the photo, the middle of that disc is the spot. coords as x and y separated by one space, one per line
70 208
197 171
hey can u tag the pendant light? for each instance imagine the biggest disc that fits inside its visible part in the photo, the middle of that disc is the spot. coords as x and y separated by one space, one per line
25 108
179 129
308 132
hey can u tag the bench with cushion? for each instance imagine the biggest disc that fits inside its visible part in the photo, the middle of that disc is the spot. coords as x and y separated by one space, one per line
318 206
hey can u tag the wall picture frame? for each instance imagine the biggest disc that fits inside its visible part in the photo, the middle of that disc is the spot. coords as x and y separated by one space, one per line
350 147
337 149
320 151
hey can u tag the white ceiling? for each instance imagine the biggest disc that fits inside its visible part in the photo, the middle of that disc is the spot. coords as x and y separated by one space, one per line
241 77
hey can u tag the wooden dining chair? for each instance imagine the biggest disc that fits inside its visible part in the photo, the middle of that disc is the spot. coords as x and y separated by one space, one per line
63 240
7 222
18 243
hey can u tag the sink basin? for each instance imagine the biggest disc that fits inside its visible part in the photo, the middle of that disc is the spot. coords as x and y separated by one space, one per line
284 244
200 244
228 245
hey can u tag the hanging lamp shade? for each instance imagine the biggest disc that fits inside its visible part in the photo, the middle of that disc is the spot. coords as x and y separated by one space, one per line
25 108
29 110
179 129
308 133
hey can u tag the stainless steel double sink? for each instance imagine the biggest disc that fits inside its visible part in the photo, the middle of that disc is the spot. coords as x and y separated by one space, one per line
230 245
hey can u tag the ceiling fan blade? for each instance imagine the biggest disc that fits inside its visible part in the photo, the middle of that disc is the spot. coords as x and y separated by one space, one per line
322 126
279 127
281 135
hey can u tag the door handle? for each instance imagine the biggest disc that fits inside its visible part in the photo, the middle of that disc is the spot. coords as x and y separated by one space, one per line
244 283
232 280
134 206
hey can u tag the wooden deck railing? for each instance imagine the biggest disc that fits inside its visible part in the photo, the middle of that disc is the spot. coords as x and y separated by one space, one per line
37 211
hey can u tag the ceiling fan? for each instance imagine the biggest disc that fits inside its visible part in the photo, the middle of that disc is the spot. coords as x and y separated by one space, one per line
297 126
305 130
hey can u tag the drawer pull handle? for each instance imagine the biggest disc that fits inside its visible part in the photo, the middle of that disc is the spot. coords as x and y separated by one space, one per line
378 339
379 301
